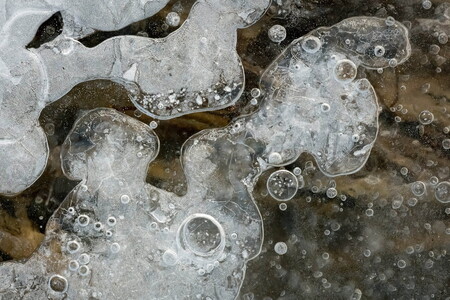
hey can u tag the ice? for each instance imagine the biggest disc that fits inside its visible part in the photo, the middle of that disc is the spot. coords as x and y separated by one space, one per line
114 230
317 101
196 68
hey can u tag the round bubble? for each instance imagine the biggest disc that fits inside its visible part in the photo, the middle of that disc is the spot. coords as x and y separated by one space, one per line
311 44
442 192
58 283
426 117
282 185
277 33
379 51
173 19
345 71
280 248
418 188
202 235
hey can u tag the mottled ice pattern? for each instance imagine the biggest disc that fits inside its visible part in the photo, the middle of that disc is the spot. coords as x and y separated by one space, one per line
115 236
196 68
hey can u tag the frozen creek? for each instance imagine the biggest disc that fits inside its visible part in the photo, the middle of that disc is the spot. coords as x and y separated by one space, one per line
117 236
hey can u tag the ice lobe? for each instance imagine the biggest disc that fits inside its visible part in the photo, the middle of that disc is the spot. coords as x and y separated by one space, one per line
194 69
115 231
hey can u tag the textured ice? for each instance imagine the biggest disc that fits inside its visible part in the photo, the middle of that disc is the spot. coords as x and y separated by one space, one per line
195 68
115 230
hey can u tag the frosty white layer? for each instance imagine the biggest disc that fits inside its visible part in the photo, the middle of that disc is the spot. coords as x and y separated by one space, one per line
82 16
116 237
194 69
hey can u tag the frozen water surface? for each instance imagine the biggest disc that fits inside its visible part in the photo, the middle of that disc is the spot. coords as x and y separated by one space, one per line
327 180
166 77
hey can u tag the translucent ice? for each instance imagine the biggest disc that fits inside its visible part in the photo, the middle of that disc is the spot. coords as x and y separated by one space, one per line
196 68
114 230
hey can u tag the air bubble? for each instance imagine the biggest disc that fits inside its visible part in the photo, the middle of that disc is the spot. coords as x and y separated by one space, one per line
111 221
125 199
282 185
115 247
282 206
202 235
275 158
379 51
446 144
345 71
169 257
390 21
82 220
426 4
426 117
255 92
442 192
401 264
418 188
73 265
277 33
58 283
173 19
83 270
73 246
331 193
311 44
84 259
280 248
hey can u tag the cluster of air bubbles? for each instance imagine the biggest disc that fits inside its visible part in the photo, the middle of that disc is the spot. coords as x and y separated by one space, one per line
255 93
282 185
418 188
345 71
58 284
311 44
280 248
426 117
442 192
277 33
173 19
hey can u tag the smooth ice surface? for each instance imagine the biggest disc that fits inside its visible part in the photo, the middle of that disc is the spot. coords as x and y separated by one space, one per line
196 68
